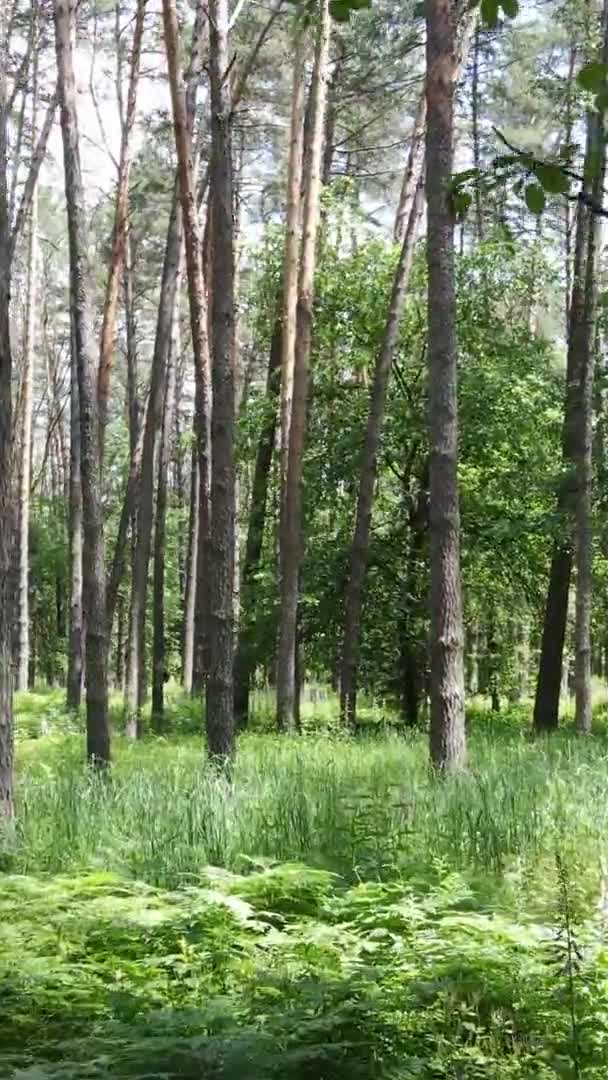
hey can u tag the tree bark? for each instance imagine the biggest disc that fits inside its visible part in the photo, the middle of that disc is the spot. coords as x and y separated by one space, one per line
136 672
369 461
596 170
413 172
119 231
98 732
25 463
291 538
447 741
183 118
245 661
160 534
6 689
549 682
220 685
292 245
191 576
75 644
475 102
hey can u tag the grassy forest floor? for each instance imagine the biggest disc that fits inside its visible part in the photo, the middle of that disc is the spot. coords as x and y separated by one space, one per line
333 911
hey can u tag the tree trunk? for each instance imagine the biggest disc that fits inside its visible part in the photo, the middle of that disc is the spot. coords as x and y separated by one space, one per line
475 102
190 588
447 743
292 245
291 538
136 673
412 175
94 586
119 230
75 645
183 118
220 687
367 476
25 463
596 169
6 689
548 686
244 664
160 535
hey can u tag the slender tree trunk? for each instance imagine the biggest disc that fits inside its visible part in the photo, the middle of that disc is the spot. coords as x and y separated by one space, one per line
413 172
160 535
183 117
359 552
475 102
25 463
447 742
548 686
75 644
292 245
245 661
119 230
220 685
596 157
136 673
190 588
6 689
98 732
291 538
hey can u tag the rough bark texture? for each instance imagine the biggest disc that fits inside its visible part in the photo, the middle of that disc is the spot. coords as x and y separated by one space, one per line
119 230
447 742
413 171
220 689
75 647
98 733
596 157
292 537
244 664
6 692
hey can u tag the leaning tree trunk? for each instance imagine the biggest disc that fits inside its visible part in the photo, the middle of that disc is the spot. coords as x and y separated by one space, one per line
98 732
291 535
191 575
447 742
596 169
220 685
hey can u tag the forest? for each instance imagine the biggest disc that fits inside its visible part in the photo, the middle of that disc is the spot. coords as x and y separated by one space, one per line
303 539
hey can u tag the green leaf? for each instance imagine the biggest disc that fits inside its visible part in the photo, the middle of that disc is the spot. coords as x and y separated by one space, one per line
552 179
489 12
510 8
460 178
461 201
535 198
340 10
592 76
601 100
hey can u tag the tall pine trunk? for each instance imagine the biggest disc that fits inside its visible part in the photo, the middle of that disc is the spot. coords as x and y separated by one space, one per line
119 230
596 170
98 732
191 576
25 463
160 536
447 742
291 535
220 685
6 419
75 642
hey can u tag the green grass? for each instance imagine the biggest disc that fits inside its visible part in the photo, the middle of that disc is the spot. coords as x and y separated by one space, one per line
332 909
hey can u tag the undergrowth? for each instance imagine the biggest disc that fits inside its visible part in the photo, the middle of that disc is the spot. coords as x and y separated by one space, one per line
333 910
